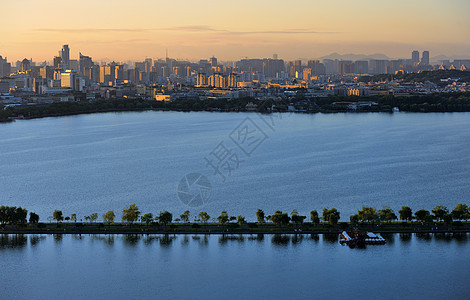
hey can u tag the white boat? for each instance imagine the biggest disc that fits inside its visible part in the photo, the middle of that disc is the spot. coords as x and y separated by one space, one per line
361 238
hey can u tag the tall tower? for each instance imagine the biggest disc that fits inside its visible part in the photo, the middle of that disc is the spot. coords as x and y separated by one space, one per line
213 61
425 58
65 55
415 56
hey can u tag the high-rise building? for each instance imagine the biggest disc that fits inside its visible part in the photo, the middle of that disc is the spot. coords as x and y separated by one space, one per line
306 73
458 63
25 65
331 66
379 66
83 63
317 67
72 80
57 62
213 61
201 79
118 73
298 66
217 80
232 80
46 72
415 57
345 67
65 55
5 67
273 67
107 73
73 65
361 67
250 65
148 64
425 58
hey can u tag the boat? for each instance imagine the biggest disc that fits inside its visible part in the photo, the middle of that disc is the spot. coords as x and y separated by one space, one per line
360 238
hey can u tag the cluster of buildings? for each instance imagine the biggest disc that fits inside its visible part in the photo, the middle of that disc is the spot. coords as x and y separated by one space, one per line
66 79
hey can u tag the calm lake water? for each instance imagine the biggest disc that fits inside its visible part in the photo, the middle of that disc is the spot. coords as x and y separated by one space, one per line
232 267
99 162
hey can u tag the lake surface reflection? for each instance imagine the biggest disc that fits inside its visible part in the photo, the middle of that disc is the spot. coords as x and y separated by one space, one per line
432 266
100 162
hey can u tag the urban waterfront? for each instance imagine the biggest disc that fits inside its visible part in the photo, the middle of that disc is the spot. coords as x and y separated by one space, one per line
409 266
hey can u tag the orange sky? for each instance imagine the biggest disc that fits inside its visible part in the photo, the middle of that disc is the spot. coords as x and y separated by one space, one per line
230 30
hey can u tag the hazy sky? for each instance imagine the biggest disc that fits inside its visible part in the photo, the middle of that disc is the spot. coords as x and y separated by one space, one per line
230 30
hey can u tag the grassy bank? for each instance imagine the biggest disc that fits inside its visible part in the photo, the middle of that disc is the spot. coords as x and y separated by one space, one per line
214 228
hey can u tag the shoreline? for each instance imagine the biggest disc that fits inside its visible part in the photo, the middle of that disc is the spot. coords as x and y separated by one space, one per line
66 114
434 102
224 231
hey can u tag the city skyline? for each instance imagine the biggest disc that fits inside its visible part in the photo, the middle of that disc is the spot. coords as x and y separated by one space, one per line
310 29
74 55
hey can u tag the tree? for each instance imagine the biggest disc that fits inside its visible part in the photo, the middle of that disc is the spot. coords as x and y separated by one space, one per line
223 218
204 216
185 216
354 219
130 214
439 212
461 212
296 218
241 220
422 215
33 218
368 214
109 217
314 217
447 219
165 217
147 218
3 214
405 213
280 218
260 216
57 215
94 217
67 219
13 215
20 215
387 214
331 216
73 217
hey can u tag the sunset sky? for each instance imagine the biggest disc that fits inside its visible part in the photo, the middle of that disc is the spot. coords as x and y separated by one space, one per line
230 30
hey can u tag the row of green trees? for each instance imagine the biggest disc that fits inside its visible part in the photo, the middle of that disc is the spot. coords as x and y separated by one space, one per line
438 213
331 216
16 215
132 214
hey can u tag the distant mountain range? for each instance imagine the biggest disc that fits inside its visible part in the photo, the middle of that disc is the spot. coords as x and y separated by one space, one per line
355 57
451 58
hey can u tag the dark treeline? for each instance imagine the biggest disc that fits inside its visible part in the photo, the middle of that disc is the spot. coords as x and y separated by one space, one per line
432 76
366 215
13 215
437 102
